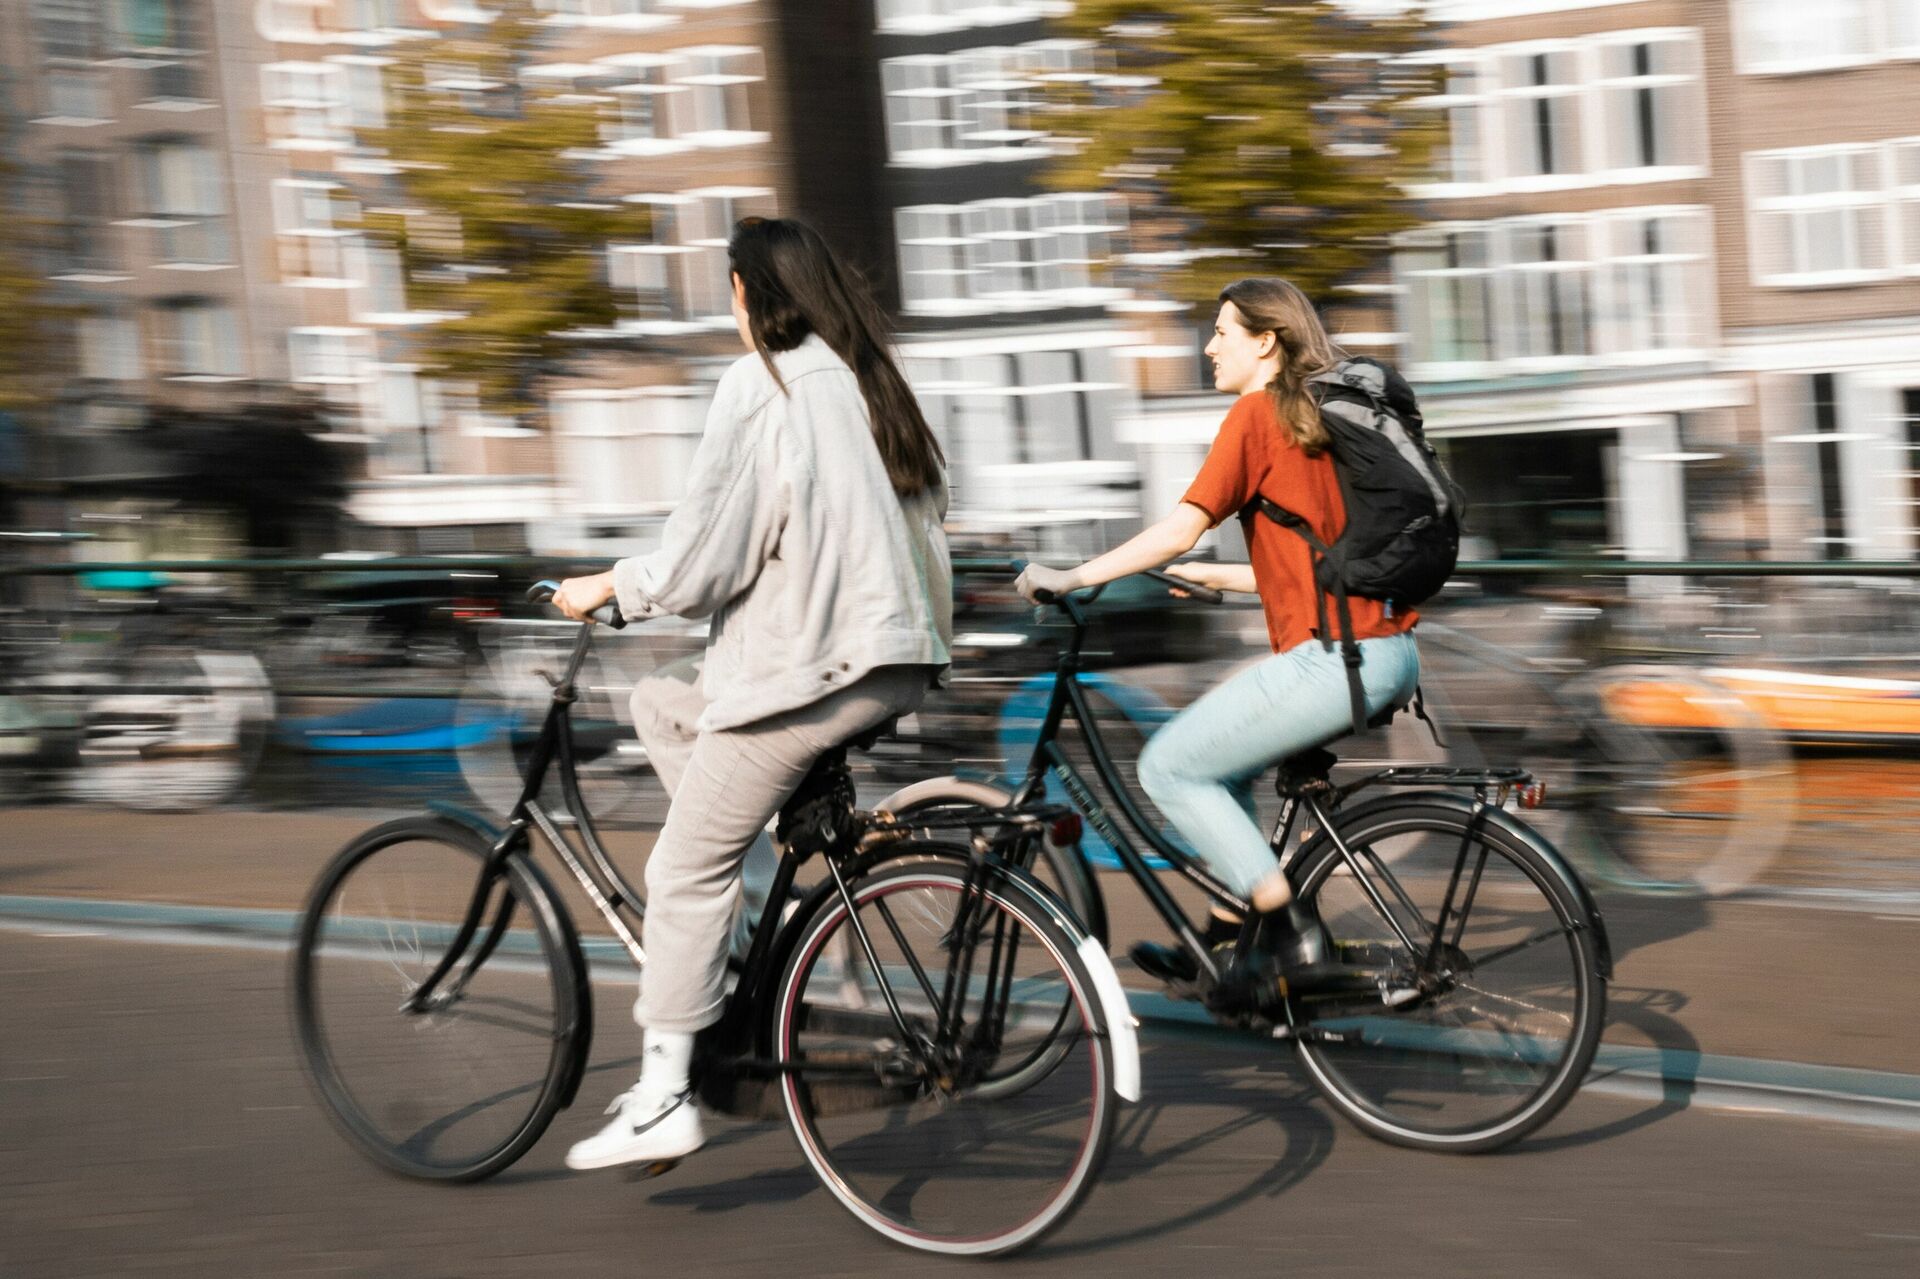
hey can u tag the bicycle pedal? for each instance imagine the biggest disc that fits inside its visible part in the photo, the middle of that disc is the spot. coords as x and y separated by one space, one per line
1395 996
648 1171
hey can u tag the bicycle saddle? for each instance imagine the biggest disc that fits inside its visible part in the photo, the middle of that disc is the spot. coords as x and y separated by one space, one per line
1299 773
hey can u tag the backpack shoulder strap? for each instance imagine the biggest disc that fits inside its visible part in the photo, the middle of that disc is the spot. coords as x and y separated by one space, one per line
1349 646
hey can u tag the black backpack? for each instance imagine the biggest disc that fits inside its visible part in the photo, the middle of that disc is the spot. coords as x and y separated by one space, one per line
1402 537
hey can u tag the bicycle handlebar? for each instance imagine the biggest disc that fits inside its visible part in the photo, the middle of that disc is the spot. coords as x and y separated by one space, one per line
542 592
1205 594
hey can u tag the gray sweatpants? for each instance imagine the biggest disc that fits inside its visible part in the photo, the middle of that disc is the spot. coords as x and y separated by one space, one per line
724 786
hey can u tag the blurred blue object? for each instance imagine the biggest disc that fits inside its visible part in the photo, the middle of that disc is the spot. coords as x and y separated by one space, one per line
394 726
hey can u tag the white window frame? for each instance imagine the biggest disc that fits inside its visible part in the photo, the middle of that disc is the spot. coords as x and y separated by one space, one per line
1579 91
185 202
1810 203
1479 103
308 105
969 100
1605 254
1690 83
1903 204
708 75
941 17
330 355
1053 243
211 354
1751 58
314 253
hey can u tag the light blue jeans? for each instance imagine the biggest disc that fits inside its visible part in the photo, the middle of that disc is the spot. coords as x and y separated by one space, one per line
1200 767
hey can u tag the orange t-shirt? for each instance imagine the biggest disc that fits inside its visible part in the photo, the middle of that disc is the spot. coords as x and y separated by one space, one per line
1253 455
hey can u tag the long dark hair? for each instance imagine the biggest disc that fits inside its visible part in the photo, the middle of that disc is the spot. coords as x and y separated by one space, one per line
795 286
1268 304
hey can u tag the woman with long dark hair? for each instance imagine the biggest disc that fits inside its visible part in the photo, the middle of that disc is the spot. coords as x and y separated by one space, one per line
811 536
1268 348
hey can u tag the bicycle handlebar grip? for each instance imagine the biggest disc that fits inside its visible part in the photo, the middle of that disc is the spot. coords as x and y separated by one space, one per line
608 615
1040 597
1205 594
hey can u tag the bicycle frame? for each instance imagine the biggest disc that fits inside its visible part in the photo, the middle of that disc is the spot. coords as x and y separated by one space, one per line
607 892
1049 758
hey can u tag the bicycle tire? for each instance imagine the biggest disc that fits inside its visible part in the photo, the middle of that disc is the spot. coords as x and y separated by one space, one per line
1369 1039
931 1143
549 1043
1696 809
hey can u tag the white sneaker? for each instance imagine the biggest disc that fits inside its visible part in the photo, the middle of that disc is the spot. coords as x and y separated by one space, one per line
647 1129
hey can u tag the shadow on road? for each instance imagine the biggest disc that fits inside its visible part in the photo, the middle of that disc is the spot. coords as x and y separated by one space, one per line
1648 1010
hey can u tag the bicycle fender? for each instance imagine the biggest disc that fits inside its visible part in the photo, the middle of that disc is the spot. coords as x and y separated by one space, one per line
1123 1028
1123 1032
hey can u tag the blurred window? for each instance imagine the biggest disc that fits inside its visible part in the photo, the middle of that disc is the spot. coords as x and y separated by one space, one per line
307 104
1542 95
84 241
75 95
312 247
1656 281
1545 289
644 101
718 83
931 17
370 15
974 104
1650 96
1819 215
1790 35
199 339
1904 162
1465 101
323 356
627 451
185 199
154 25
68 28
109 347
1009 254
1447 280
683 275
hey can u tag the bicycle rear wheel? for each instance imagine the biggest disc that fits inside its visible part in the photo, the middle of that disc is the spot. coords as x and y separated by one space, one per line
1502 1038
460 1089
957 1142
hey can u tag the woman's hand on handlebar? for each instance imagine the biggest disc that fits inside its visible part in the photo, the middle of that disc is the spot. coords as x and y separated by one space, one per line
579 596
1037 579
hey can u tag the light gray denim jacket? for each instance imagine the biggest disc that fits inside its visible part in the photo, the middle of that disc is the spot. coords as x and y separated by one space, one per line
791 538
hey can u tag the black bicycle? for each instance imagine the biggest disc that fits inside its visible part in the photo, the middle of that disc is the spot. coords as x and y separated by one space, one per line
944 1040
1480 959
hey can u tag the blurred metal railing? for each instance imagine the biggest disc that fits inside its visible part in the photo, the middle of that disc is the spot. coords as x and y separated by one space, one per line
531 567
530 564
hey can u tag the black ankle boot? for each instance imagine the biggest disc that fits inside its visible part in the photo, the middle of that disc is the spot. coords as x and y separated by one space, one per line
1176 963
1305 954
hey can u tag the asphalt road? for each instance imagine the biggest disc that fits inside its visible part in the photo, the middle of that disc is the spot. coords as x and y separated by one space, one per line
154 1121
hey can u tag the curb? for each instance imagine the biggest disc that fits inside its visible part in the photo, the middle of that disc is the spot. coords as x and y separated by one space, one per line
1683 1078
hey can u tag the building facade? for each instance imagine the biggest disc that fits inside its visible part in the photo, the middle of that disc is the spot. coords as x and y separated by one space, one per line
1666 304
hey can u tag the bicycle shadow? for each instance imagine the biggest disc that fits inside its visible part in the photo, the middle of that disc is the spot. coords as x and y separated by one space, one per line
1636 921
1676 1052
1148 1139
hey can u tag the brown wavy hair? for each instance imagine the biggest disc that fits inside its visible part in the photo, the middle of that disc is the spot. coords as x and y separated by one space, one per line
1268 304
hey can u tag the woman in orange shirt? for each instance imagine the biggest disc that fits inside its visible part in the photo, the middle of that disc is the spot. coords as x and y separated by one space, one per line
1199 768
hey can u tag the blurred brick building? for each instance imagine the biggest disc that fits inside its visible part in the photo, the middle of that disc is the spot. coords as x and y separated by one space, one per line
1669 299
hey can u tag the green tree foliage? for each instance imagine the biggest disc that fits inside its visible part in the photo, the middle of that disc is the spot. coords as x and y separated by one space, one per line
1253 139
33 325
500 229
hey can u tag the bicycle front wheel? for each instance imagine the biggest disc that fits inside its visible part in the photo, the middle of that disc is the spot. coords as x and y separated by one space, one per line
945 1136
1506 1017
459 1088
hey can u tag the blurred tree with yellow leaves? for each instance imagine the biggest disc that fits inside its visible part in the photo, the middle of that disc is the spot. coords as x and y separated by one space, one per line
1251 139
499 227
